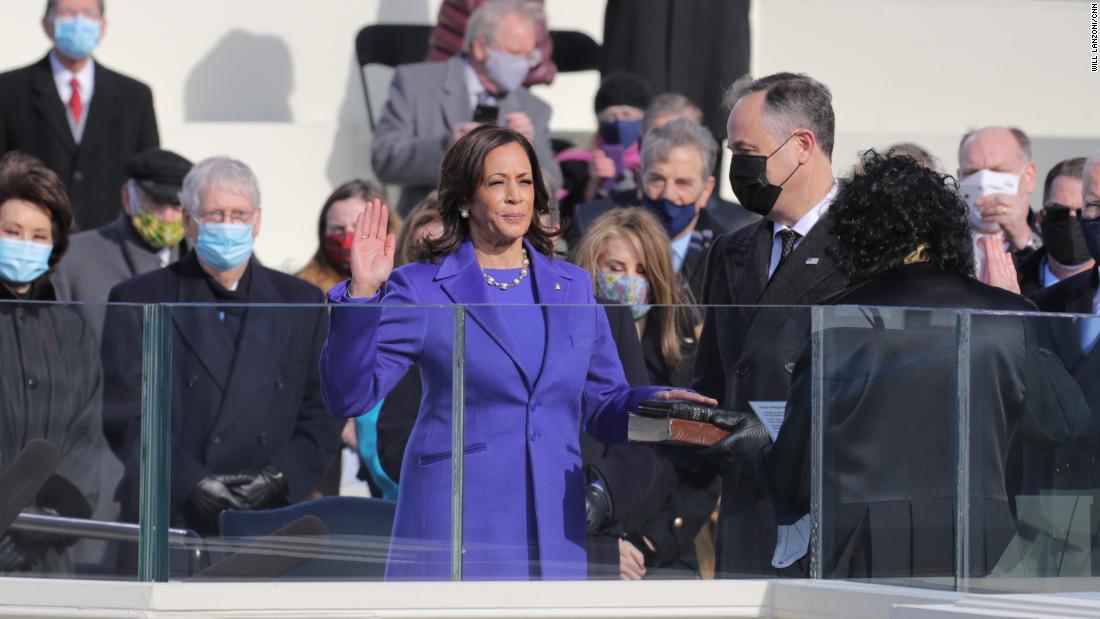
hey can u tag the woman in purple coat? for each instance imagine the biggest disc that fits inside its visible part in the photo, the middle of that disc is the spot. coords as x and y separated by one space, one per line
540 367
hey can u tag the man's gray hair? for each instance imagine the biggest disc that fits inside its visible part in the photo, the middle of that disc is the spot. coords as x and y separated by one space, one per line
659 142
222 173
486 19
51 6
1022 141
670 103
792 101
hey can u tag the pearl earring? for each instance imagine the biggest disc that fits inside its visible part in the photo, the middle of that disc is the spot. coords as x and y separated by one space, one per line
465 214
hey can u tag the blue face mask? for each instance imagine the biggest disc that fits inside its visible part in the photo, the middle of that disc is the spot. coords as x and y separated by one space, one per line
621 132
1091 230
76 37
674 217
224 246
22 262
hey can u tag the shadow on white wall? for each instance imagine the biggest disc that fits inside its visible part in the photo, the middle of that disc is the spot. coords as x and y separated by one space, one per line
245 77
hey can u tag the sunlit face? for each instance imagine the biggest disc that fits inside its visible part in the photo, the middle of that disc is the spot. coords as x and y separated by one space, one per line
621 257
748 134
996 149
24 221
503 205
515 36
680 177
71 8
612 113
341 216
220 205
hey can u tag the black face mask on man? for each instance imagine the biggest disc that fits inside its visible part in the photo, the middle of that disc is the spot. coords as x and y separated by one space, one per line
1063 236
749 181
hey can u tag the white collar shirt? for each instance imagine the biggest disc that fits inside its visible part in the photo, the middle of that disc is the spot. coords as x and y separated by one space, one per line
802 227
63 78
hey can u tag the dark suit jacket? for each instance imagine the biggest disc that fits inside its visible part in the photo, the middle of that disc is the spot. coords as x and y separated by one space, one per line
1076 466
748 353
889 410
121 122
232 410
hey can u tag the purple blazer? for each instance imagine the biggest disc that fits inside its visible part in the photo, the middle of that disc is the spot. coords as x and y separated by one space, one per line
522 468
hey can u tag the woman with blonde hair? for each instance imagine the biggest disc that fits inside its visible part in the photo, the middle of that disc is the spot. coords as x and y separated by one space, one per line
627 253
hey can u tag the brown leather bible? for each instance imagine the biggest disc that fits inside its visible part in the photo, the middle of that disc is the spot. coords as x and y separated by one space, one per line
643 429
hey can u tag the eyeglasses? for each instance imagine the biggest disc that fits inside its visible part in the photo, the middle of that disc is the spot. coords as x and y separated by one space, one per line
234 216
91 13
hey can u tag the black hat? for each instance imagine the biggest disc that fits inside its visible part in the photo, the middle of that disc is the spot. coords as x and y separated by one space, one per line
159 172
623 88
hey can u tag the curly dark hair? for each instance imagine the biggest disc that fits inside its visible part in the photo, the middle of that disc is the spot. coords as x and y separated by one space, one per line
894 206
459 177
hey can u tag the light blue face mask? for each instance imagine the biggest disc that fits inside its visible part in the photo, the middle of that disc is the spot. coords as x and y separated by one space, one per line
76 37
506 71
224 246
22 262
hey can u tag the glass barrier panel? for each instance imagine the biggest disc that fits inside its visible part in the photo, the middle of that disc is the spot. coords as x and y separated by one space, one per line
887 400
287 433
1040 432
68 516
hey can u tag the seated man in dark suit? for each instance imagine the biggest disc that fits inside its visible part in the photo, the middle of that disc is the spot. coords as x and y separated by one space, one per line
80 118
433 104
675 184
147 235
249 428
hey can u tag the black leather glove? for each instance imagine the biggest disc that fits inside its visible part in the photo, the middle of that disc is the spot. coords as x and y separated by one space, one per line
264 489
16 557
42 541
207 501
597 507
679 409
747 437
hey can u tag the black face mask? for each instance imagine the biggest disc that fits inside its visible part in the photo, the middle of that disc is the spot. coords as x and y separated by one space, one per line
749 181
1063 236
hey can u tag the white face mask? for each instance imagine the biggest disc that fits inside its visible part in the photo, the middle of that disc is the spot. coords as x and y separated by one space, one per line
983 183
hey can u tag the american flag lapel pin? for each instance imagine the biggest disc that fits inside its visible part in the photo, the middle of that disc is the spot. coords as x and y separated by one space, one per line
812 261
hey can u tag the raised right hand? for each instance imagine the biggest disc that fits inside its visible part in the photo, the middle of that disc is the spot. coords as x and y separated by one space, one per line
372 251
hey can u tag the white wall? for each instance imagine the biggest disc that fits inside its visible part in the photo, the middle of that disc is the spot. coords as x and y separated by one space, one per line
274 83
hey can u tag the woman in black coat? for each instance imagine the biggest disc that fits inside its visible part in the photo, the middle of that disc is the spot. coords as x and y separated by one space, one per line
50 386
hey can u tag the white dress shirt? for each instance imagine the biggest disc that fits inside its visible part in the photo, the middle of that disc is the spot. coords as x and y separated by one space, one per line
679 249
475 89
802 227
85 79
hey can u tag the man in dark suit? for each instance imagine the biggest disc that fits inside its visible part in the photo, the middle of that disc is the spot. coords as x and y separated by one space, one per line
1075 469
781 133
1063 253
676 185
80 118
249 428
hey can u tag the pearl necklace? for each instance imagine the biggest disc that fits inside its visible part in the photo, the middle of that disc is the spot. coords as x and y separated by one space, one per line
489 279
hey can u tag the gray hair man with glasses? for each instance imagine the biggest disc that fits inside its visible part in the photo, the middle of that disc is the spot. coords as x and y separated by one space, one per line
249 428
433 104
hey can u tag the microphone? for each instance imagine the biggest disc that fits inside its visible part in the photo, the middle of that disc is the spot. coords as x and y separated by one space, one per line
274 555
24 478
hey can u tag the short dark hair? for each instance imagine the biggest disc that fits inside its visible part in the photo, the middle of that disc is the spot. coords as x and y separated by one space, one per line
352 189
27 179
890 208
795 98
459 177
52 4
1073 168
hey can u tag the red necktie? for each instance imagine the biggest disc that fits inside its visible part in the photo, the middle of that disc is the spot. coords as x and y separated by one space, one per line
75 104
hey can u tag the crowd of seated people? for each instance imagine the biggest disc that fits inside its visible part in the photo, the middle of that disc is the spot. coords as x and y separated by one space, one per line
697 292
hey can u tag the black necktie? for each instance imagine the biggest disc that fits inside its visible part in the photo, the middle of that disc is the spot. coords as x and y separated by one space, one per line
788 238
